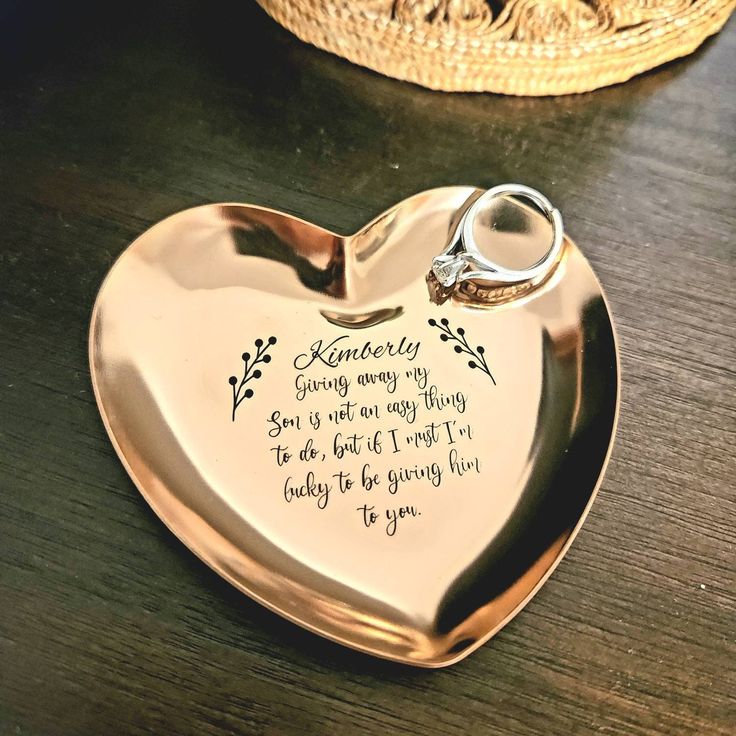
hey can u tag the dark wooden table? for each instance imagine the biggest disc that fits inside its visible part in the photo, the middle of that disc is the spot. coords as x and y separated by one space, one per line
110 121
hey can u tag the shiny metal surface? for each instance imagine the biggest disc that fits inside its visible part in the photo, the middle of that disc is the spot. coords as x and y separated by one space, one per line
186 314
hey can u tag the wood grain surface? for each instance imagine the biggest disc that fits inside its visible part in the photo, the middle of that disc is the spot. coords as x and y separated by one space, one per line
114 117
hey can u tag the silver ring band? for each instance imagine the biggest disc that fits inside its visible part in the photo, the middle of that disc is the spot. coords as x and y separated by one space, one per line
450 267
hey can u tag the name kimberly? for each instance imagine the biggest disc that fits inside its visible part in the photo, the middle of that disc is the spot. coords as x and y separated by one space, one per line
333 354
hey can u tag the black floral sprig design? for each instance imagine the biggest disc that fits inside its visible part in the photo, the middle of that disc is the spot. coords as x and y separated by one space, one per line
477 356
250 372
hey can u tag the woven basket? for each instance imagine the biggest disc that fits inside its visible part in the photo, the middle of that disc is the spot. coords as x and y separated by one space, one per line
517 47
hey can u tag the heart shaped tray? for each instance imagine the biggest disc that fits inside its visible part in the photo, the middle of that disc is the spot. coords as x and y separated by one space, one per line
398 476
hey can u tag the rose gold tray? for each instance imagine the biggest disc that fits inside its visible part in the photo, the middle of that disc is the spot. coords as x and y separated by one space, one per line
196 291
